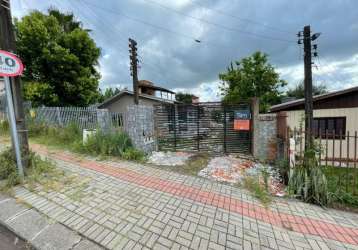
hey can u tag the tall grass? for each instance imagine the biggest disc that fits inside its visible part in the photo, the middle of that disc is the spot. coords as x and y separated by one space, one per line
4 127
115 143
8 170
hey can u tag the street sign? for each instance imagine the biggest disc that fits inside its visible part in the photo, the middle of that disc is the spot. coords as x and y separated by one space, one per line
10 65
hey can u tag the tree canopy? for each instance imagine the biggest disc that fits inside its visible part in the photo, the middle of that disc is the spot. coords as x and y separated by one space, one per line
185 98
252 76
60 59
299 90
108 93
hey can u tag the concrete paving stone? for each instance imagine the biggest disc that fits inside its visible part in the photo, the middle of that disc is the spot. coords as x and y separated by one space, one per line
215 246
100 237
152 239
10 208
183 241
122 244
28 224
165 242
87 245
56 237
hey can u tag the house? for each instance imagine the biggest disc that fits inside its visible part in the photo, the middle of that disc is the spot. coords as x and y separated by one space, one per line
334 113
149 95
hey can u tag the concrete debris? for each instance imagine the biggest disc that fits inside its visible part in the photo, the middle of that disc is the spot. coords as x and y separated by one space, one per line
169 158
234 170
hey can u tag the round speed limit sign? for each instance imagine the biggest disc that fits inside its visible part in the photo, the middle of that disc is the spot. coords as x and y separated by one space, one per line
10 65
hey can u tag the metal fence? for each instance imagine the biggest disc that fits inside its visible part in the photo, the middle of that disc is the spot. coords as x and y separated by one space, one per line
84 118
336 152
208 127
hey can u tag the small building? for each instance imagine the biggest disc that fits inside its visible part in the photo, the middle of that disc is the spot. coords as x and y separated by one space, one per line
334 113
149 95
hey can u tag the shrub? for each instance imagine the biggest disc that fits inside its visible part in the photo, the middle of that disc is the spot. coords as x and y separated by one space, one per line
101 143
4 127
308 182
133 154
8 170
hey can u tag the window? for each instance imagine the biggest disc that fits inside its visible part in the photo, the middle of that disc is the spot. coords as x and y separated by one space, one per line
331 126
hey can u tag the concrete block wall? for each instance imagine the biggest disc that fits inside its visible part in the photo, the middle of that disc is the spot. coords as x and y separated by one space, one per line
139 125
265 139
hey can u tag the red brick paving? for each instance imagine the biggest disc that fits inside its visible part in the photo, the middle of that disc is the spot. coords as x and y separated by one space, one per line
290 222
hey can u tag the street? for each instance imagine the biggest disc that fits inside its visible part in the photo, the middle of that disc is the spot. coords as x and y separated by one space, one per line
9 241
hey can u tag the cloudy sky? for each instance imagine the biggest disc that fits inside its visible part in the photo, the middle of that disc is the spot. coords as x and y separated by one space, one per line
228 30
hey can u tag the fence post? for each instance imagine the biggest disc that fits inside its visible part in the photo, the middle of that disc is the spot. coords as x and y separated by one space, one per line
59 116
224 129
355 164
174 125
326 147
347 162
198 127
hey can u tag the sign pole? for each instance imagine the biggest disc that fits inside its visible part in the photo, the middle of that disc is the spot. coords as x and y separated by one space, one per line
13 126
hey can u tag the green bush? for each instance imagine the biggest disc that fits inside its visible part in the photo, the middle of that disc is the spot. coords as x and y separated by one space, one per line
102 143
4 127
111 144
8 170
133 154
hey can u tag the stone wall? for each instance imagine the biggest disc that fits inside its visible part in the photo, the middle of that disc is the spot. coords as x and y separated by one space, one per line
139 125
265 141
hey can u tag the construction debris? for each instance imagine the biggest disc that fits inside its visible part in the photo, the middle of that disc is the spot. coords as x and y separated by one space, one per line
169 158
234 170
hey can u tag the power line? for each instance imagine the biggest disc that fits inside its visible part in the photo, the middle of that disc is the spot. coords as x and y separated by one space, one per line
224 13
220 25
123 51
196 39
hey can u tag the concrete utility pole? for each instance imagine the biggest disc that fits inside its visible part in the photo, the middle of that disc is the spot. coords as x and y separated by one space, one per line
308 86
307 38
7 42
134 68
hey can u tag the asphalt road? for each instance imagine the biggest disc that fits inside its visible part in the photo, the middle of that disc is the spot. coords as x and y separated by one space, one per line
9 241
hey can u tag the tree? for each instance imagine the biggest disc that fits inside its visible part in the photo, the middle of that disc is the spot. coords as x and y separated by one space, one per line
60 60
251 77
108 93
185 98
299 91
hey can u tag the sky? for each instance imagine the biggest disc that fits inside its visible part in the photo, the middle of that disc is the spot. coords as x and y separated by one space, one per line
168 31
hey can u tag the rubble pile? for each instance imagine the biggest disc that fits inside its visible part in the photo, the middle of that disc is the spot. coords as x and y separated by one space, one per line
169 158
234 170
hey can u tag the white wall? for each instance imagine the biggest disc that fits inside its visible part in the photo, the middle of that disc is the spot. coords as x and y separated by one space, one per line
296 118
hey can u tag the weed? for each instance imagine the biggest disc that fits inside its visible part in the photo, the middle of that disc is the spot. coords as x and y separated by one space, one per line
133 154
4 127
258 190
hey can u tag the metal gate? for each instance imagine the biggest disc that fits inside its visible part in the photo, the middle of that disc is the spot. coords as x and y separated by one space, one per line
209 127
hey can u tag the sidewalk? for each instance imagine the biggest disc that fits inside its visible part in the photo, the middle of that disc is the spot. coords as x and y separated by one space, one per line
38 230
125 205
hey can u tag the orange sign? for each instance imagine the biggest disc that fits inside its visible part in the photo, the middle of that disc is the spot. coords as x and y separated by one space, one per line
241 124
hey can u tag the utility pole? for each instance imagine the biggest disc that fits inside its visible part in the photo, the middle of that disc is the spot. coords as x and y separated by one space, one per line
307 48
134 68
7 43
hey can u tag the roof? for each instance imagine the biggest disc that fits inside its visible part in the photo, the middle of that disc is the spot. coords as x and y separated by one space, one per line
295 103
149 84
127 92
